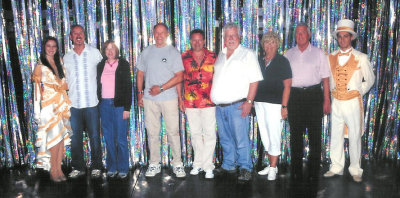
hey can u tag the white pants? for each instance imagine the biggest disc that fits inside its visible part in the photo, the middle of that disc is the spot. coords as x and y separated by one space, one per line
346 112
202 125
270 123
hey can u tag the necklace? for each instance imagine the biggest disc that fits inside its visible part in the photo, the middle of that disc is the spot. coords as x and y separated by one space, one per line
112 64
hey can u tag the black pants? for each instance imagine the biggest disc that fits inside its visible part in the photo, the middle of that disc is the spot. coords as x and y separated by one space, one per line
305 110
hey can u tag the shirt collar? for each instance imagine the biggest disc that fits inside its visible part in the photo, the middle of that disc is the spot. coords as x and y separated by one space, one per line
206 52
308 49
272 60
84 49
224 50
348 50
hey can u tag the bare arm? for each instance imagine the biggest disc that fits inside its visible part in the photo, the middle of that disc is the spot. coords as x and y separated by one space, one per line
156 89
180 100
327 98
287 84
139 84
246 107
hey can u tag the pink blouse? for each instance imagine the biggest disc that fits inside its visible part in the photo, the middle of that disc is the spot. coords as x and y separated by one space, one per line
108 80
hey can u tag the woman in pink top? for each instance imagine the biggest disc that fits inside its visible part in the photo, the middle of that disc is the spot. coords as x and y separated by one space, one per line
114 88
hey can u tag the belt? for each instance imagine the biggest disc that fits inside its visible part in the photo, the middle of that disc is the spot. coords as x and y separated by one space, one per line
307 88
232 103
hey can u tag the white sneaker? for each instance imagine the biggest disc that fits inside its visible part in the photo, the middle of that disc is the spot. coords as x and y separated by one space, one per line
75 174
153 170
96 173
209 174
179 171
272 173
195 171
265 171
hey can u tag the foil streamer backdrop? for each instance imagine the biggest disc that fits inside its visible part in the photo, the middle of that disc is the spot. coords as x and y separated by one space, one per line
10 125
130 24
27 57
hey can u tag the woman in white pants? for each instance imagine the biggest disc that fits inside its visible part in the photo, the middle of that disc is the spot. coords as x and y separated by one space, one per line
272 99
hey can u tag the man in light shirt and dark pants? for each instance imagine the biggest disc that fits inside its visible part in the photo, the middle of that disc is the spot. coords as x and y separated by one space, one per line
308 102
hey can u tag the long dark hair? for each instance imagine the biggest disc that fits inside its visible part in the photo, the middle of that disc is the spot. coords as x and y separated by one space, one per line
57 61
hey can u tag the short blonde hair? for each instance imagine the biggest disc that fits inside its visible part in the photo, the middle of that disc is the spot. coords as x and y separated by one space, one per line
271 36
113 45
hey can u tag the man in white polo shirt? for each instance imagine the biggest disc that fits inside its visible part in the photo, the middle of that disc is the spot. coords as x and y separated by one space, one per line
234 87
81 69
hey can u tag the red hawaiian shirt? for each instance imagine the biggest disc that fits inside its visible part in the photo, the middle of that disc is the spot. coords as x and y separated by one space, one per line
198 79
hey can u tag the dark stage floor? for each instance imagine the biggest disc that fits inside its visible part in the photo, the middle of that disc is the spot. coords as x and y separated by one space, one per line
379 180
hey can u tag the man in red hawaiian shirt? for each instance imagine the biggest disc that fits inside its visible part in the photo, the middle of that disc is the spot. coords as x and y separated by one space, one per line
200 111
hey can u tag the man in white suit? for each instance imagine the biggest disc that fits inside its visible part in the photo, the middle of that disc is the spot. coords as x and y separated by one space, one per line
352 77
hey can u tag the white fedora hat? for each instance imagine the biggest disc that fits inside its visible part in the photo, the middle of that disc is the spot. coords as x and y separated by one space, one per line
345 25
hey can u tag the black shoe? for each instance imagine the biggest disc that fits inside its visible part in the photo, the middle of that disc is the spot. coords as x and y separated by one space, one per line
220 171
313 177
244 175
297 176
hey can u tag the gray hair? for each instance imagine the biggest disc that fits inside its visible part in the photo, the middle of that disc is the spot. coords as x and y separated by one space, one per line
304 25
230 26
271 36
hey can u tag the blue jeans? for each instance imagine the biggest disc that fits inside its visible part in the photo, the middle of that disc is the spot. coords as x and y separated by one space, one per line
89 118
233 132
115 133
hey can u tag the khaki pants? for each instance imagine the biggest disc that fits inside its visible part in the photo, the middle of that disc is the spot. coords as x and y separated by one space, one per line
169 110
202 125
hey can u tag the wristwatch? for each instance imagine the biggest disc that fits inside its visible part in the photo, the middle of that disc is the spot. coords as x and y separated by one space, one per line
161 89
249 101
283 106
